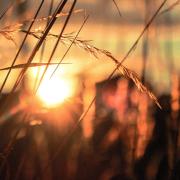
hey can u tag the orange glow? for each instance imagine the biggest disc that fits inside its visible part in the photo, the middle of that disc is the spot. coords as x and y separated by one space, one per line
53 91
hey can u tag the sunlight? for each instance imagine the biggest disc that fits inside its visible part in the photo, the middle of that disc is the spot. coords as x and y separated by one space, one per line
53 91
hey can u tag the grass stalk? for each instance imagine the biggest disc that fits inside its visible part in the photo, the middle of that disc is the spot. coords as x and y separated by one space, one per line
57 43
44 44
21 46
39 43
6 10
73 41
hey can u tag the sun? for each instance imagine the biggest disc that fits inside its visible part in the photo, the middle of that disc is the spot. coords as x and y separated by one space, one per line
54 91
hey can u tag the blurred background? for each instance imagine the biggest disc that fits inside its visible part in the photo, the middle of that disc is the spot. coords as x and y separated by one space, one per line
124 135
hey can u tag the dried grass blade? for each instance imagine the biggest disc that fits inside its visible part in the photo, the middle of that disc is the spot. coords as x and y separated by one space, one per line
43 46
20 48
57 16
39 43
171 7
73 41
7 9
57 42
18 66
114 1
17 27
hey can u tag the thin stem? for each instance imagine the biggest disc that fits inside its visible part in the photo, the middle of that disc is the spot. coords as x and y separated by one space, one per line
6 10
114 1
57 43
44 45
73 41
21 46
39 43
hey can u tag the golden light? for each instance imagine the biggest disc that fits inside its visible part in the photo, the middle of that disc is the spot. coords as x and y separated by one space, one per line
53 91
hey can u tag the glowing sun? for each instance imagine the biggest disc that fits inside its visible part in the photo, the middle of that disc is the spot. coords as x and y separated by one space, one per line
54 91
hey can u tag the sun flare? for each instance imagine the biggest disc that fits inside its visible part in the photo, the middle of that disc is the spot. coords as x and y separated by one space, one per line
53 91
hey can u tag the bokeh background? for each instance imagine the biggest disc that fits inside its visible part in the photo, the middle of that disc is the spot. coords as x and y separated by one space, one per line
124 135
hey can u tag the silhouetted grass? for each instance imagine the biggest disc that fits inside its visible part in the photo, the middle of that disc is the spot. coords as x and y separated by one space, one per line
69 40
